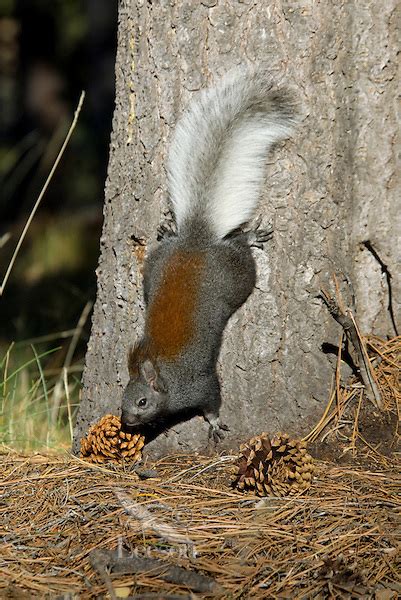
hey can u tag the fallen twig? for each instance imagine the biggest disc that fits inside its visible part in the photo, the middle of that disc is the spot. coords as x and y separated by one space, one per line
102 560
348 323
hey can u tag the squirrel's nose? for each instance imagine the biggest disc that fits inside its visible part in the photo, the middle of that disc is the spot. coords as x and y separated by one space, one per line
128 421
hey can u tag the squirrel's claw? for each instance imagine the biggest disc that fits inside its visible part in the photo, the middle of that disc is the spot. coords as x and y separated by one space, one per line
167 229
216 429
257 237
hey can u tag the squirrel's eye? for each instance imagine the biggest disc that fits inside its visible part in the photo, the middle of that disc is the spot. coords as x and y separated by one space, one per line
142 402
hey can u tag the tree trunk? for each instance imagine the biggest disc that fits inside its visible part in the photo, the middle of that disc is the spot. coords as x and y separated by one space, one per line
330 192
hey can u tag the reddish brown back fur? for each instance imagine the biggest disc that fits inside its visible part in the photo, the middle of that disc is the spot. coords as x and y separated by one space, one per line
171 317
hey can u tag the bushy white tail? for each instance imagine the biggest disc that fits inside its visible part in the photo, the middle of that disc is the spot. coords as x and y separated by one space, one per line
218 152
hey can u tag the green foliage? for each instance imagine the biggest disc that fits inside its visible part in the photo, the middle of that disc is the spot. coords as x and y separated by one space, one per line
7 7
37 402
72 26
52 50
56 247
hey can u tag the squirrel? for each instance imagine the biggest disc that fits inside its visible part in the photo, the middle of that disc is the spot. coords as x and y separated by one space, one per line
202 272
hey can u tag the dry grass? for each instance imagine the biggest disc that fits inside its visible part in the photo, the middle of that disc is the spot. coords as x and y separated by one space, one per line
349 418
341 539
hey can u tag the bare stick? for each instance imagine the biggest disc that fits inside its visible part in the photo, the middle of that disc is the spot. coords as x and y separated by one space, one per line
367 373
67 395
99 562
42 193
103 560
348 323
68 360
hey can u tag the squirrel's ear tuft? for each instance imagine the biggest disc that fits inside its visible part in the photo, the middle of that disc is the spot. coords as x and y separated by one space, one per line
151 376
135 357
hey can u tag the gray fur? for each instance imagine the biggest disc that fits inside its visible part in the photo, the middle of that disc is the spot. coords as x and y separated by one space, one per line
189 382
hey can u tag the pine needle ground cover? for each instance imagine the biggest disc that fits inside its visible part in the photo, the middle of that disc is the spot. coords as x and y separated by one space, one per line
340 540
177 528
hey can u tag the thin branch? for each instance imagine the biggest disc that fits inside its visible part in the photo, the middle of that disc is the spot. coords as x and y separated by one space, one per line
366 370
104 560
42 193
99 562
67 362
67 396
348 323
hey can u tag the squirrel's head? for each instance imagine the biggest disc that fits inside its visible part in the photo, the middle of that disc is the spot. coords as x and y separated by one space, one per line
145 397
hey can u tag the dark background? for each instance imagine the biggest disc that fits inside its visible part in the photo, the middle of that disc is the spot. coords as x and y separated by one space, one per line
50 50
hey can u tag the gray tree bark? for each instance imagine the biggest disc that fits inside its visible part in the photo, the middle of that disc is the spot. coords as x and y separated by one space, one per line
331 193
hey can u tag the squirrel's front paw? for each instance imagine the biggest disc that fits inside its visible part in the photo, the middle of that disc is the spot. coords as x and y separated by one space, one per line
167 228
216 430
257 236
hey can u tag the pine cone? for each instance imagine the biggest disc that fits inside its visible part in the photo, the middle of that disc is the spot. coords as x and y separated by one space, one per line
277 466
106 442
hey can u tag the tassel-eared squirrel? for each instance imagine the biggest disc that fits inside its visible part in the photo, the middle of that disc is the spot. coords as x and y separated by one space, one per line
201 274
